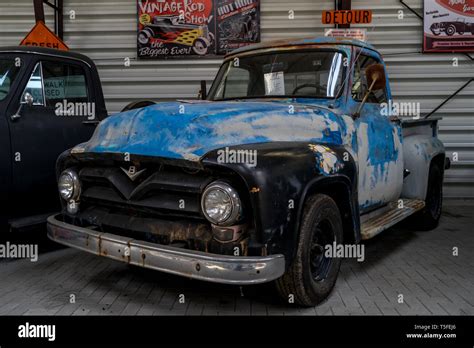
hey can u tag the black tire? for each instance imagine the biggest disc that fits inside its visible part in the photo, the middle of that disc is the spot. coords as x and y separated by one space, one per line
200 46
311 276
451 30
428 218
145 36
137 105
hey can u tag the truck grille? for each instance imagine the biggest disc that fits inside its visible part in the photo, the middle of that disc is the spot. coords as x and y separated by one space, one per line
156 191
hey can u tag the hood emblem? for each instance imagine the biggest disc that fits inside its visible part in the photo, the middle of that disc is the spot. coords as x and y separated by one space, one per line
132 172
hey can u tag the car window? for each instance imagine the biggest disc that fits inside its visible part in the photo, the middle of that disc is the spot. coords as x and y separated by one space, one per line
35 86
64 82
359 83
8 73
237 82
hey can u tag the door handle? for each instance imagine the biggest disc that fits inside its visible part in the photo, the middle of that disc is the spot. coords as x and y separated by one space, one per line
15 117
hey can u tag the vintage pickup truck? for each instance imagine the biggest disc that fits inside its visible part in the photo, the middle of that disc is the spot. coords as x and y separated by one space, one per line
290 153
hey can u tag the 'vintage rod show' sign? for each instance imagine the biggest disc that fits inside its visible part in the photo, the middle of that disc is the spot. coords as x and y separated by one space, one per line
193 28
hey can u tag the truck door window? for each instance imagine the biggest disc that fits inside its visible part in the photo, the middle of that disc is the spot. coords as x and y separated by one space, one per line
64 82
359 83
35 86
8 73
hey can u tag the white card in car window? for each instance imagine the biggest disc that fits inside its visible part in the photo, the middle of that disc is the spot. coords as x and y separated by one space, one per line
274 83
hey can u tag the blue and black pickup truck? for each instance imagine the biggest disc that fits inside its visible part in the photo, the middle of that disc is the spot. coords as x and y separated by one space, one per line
291 152
50 100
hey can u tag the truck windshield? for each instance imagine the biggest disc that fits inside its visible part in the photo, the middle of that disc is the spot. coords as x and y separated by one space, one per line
296 74
8 73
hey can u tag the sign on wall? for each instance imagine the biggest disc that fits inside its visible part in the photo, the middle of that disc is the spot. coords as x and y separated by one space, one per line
41 36
194 28
448 26
347 17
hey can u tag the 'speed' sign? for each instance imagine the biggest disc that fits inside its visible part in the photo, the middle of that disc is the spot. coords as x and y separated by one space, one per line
347 17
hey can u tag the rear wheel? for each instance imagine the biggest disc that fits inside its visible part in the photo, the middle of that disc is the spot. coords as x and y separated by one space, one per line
200 46
451 30
429 217
312 275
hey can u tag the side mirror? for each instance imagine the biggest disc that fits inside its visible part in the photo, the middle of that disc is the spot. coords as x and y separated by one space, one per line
203 91
27 99
376 80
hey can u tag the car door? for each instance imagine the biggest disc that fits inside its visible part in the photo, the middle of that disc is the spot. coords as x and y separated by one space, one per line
11 69
379 140
55 121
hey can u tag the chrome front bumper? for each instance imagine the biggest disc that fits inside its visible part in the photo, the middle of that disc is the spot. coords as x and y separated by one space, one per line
189 263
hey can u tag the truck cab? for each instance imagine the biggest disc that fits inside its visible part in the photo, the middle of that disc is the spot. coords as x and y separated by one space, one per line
49 101
297 149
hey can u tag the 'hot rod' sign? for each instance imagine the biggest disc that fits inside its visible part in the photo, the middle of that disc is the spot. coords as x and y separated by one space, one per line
448 26
191 28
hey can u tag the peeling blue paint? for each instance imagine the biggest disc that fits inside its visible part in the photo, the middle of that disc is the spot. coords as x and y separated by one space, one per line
161 130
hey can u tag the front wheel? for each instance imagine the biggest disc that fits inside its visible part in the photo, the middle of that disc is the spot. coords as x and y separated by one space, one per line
312 275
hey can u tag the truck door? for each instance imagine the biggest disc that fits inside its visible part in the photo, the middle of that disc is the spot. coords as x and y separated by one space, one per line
55 121
379 140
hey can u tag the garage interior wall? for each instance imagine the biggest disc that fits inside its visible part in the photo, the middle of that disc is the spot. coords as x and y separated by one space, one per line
105 30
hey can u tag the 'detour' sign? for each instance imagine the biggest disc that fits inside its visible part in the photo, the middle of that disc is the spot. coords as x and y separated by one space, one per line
347 17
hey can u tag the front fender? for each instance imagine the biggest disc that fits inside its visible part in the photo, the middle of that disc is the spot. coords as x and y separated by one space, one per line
277 185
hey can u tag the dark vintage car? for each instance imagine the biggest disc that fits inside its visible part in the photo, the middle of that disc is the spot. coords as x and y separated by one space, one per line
172 29
459 26
49 101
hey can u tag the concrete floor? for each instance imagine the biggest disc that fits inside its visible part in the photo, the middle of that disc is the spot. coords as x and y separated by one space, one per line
418 265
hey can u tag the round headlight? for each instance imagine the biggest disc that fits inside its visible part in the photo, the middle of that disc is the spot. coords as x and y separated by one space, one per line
69 185
220 203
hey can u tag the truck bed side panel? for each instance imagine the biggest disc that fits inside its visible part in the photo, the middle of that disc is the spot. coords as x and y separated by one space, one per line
420 146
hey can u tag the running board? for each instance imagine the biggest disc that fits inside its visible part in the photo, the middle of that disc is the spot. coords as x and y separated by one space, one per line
388 216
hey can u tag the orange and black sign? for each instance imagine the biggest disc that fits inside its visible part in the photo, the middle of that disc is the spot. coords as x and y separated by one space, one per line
342 17
41 36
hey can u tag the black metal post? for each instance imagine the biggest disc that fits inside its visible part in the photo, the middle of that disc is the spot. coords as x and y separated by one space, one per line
344 5
39 10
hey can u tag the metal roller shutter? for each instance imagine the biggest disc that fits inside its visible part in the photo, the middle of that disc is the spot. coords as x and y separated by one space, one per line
106 31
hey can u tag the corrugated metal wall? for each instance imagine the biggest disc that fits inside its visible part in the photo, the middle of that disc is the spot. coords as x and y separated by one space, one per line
106 31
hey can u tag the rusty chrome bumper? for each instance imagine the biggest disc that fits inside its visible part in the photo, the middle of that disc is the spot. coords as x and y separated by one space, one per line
189 263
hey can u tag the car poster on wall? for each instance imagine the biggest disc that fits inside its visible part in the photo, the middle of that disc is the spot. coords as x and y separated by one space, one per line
188 28
238 24
448 26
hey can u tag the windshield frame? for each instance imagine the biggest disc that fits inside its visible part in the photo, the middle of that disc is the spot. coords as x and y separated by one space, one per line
267 52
